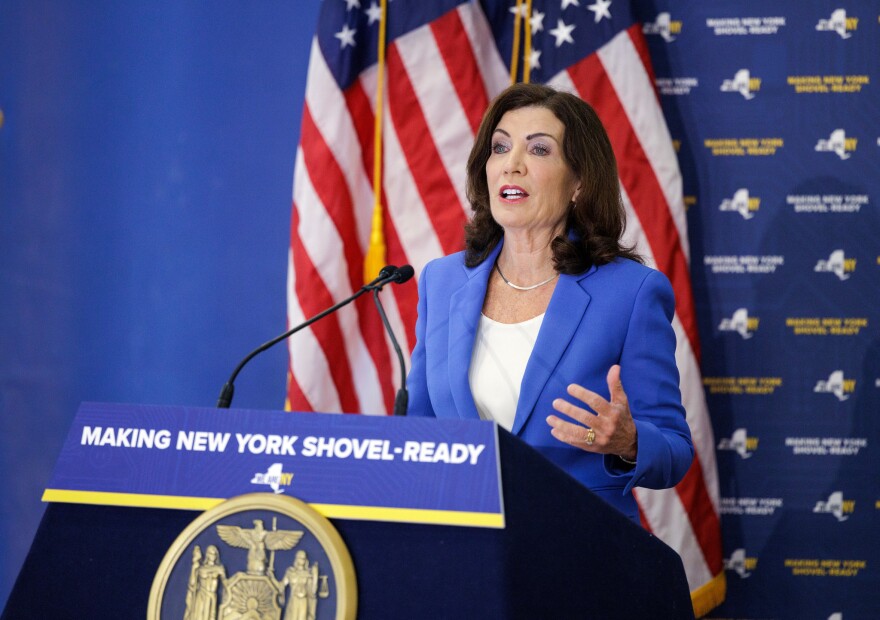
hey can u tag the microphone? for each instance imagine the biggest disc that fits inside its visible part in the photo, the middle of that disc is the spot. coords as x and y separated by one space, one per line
389 273
401 399
402 274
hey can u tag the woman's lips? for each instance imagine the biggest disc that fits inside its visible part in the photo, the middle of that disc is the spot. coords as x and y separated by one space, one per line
512 193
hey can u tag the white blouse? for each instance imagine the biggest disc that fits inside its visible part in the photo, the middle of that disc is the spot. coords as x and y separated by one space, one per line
498 363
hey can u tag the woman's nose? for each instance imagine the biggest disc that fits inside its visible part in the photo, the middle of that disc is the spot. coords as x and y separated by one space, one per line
515 163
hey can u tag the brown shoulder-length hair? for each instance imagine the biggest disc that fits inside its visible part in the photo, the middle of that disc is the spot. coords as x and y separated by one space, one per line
594 222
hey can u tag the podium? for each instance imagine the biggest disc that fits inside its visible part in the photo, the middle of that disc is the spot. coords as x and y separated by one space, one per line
562 552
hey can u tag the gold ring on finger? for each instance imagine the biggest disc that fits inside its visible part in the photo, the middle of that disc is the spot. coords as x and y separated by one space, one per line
590 438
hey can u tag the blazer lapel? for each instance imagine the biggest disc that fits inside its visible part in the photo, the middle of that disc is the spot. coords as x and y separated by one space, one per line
567 307
465 306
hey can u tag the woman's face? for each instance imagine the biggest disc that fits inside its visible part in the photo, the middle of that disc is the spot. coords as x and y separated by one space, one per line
530 184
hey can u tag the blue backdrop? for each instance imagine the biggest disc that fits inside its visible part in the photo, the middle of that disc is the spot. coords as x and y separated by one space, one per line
146 157
774 111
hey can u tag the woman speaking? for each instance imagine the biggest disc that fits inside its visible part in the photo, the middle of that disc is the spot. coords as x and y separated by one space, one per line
545 323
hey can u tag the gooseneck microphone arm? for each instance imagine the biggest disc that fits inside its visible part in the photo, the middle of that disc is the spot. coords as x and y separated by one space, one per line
401 399
388 274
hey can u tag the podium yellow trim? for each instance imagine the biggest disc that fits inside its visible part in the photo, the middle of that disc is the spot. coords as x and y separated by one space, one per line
130 500
411 515
330 511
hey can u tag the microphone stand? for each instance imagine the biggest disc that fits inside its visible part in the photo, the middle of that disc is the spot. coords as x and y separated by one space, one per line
401 399
387 275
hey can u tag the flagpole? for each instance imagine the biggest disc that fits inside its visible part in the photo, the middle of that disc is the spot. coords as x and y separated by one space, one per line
375 258
514 53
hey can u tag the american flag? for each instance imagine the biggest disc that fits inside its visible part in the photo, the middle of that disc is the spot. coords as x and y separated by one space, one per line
444 61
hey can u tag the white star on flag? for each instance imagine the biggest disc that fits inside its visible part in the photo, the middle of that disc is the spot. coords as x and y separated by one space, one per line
600 8
537 21
345 36
535 59
562 32
374 13
352 4
568 3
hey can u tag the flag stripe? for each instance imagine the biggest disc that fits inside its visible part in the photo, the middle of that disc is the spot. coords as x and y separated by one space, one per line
694 400
634 86
489 61
692 396
319 236
634 234
640 180
695 492
461 66
314 297
308 363
332 193
404 299
669 522
295 394
703 519
444 117
357 123
641 45
409 236
422 158
418 237
340 128
317 249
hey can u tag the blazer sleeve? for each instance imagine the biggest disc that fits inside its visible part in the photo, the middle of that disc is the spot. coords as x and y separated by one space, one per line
650 379
417 379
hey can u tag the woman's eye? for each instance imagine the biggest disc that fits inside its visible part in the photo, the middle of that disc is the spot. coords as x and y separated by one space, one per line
540 149
498 147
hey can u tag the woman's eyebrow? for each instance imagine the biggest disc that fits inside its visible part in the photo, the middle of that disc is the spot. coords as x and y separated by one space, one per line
541 133
530 136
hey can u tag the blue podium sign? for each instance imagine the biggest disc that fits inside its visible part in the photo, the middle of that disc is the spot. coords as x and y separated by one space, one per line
352 467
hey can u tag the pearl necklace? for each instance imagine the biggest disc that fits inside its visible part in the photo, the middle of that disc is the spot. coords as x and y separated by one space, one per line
524 288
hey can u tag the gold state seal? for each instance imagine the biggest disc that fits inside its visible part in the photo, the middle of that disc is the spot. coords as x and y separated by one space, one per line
199 579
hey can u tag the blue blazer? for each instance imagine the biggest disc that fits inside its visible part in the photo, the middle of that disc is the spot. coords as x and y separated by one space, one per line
619 313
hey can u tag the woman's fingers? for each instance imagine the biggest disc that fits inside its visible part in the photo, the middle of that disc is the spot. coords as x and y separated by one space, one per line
610 430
